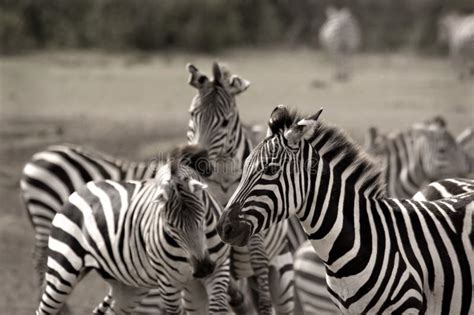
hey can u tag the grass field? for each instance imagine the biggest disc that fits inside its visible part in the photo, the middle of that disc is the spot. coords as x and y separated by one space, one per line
136 106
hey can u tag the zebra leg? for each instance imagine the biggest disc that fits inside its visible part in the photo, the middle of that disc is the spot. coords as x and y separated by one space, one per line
171 298
195 297
260 265
237 298
217 286
58 284
282 283
104 306
124 298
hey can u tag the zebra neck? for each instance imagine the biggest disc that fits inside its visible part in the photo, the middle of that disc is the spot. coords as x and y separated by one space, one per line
229 165
239 146
343 189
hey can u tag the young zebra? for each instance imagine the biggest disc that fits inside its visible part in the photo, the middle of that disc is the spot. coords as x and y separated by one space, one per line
216 126
340 36
458 32
158 233
55 173
410 256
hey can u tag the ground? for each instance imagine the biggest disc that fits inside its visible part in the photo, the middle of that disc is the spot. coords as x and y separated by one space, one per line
136 106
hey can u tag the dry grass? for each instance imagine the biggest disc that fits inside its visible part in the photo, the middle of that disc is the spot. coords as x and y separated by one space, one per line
136 106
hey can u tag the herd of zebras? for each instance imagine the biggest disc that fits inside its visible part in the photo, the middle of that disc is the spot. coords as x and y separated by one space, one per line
304 220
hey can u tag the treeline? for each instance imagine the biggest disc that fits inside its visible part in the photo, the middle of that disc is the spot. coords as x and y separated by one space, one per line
209 25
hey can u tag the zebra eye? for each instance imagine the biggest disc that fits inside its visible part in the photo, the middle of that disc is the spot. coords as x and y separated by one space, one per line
271 169
225 122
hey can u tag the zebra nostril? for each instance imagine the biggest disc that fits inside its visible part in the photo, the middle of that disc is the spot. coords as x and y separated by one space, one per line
227 230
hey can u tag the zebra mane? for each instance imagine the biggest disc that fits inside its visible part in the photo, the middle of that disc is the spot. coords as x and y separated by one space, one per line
192 156
328 138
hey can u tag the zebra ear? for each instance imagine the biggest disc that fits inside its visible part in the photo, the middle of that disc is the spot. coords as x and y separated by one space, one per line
302 130
216 72
195 185
196 78
238 85
163 193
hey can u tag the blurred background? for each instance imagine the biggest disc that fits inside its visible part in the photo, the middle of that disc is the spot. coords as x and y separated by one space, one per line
110 74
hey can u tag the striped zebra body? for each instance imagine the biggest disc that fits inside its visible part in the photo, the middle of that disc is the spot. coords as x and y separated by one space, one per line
458 32
139 235
216 126
340 36
310 273
382 255
407 159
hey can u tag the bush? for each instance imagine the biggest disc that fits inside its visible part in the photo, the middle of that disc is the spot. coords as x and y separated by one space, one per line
209 25
14 36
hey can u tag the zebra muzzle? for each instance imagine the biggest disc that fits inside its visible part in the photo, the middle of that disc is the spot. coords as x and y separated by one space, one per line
232 229
203 268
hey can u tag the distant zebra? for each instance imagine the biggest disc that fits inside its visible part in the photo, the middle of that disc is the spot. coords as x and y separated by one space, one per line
215 125
138 235
411 159
340 36
382 255
458 32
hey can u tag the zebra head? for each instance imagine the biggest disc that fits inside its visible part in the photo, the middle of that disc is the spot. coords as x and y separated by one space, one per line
438 151
181 205
214 116
274 179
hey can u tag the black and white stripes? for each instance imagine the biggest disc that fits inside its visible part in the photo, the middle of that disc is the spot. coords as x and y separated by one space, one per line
215 125
381 254
55 173
138 235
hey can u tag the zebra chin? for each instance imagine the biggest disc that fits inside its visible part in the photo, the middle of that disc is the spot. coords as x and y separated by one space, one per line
233 230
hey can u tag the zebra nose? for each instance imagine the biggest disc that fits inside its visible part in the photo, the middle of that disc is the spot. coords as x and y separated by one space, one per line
204 268
226 230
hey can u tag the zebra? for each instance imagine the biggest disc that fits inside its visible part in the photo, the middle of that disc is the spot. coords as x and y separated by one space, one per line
340 36
310 273
458 32
215 125
140 235
424 153
410 256
55 173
